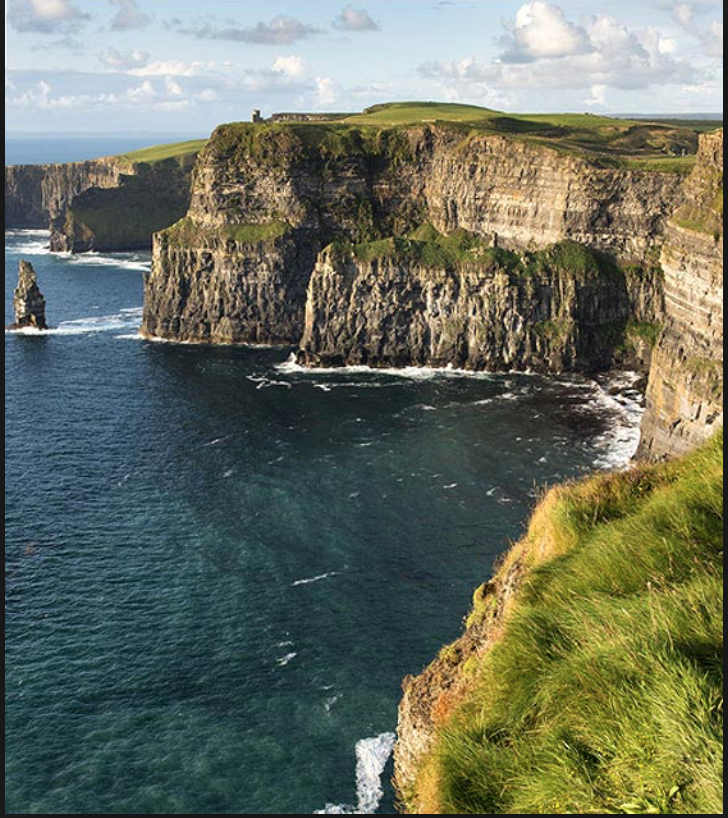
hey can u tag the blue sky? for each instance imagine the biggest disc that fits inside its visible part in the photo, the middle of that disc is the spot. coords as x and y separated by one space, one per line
186 65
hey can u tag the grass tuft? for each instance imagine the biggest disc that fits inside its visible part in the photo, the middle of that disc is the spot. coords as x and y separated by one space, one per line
604 692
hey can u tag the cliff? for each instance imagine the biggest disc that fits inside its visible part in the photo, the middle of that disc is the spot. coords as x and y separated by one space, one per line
413 303
323 184
113 203
685 390
37 194
589 676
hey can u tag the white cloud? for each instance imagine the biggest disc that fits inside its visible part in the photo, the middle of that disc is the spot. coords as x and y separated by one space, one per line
45 16
542 30
207 95
178 68
602 53
170 97
292 66
710 36
128 15
684 14
116 61
598 96
281 30
173 87
326 91
351 19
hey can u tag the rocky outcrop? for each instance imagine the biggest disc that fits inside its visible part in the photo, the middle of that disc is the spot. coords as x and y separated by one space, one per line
558 310
104 204
430 697
685 390
357 186
28 301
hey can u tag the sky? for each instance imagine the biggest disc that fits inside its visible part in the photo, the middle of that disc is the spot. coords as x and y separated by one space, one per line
168 66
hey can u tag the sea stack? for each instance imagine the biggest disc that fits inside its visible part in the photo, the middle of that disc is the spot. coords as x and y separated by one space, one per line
28 301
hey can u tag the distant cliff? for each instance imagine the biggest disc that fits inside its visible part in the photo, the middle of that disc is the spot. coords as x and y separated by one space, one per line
685 391
103 204
37 194
267 201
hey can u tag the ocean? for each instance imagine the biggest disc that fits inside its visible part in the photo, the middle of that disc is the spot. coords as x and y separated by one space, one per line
219 567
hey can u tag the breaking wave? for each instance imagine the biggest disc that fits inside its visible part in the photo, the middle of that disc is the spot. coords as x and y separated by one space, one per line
372 755
125 319
419 373
37 243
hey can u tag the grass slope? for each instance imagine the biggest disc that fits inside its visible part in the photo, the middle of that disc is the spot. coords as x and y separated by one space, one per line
161 153
604 692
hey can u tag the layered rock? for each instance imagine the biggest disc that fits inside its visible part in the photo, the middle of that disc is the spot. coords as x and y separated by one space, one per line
555 311
356 186
104 204
685 390
206 287
28 301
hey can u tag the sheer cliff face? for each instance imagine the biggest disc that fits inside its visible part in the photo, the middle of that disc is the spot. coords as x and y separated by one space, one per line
226 292
35 195
685 391
477 316
354 186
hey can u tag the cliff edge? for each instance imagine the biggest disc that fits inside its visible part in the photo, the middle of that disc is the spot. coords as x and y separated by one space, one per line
589 677
109 204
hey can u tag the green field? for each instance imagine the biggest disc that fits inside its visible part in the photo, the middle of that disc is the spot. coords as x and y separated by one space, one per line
603 691
160 153
630 144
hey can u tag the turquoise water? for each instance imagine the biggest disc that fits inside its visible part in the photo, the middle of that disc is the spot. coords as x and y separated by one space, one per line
219 568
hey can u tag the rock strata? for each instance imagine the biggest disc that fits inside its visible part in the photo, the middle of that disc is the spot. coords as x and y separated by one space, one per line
28 301
685 390
229 275
569 312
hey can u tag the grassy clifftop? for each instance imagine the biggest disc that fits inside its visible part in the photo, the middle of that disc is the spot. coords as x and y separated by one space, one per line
631 144
599 689
181 153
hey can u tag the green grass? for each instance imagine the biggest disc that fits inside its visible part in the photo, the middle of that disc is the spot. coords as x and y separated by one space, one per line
161 153
428 247
604 692
380 133
187 233
408 113
643 331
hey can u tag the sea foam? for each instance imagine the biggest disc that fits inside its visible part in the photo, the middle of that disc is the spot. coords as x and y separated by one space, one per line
125 319
372 755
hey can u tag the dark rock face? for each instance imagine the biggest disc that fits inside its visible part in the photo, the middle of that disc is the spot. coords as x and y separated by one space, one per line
209 285
28 301
472 316
685 390
35 195
227 292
